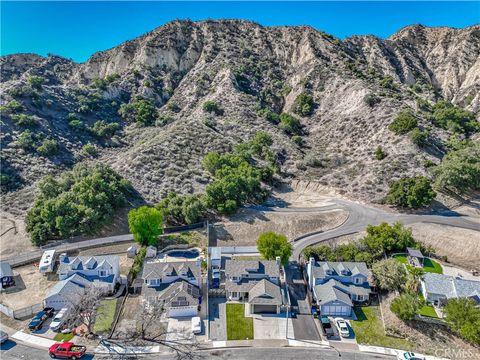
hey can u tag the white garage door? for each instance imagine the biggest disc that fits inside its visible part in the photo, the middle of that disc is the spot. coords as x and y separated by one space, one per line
336 310
185 311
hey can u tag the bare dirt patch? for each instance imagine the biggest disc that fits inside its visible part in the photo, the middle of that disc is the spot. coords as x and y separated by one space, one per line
461 246
427 338
30 288
13 237
244 228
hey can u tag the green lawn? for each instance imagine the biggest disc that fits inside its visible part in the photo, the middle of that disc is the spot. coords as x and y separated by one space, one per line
105 315
369 330
428 310
63 337
429 265
238 326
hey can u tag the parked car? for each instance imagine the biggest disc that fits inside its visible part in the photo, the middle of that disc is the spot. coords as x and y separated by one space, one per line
196 325
326 326
3 336
66 350
215 278
40 317
59 319
410 356
342 327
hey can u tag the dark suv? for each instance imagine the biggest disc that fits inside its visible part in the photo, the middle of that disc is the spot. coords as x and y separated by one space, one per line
40 317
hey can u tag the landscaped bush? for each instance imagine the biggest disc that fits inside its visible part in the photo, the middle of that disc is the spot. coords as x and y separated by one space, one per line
48 147
303 104
463 316
182 209
405 306
211 106
141 111
104 130
453 118
290 124
389 274
79 201
411 192
404 122
270 245
459 170
23 120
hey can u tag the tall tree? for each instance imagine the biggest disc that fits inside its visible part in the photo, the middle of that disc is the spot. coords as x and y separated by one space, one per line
145 224
389 274
271 245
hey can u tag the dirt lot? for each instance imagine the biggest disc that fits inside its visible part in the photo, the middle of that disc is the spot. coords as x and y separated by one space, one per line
127 321
244 228
461 246
428 338
13 237
30 289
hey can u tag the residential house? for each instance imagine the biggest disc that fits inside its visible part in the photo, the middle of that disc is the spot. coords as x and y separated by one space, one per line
438 288
67 292
336 286
103 270
6 275
255 282
175 284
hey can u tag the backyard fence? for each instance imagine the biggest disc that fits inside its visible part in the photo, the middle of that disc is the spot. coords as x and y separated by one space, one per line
172 229
21 313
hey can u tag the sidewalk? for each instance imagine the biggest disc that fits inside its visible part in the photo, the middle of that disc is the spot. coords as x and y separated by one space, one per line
34 340
394 352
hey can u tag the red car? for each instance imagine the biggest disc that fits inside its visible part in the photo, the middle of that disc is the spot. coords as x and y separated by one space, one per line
66 350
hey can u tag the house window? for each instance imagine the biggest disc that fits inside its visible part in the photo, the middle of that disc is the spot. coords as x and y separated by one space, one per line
234 294
103 273
234 278
358 280
359 297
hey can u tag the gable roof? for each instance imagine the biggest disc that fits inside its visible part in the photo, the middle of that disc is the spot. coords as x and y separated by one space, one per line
320 268
180 293
265 292
450 287
157 269
240 268
72 285
414 253
5 269
328 292
88 263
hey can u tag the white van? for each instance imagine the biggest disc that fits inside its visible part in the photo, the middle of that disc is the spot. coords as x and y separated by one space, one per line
196 325
59 319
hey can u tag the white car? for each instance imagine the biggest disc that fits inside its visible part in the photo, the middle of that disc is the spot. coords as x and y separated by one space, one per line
196 325
59 319
410 356
215 273
342 327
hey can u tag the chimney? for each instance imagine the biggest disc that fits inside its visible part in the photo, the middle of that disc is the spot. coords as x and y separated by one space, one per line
278 261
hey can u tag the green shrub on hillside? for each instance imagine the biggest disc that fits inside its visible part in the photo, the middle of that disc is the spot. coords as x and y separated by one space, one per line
48 147
411 192
419 137
12 107
26 140
35 82
453 118
211 106
182 209
104 130
290 124
140 111
303 104
23 120
79 201
403 123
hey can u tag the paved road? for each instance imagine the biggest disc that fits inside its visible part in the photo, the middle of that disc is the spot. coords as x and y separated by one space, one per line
12 351
361 215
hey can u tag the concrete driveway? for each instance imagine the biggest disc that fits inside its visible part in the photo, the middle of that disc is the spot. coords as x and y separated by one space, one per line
179 328
217 313
271 326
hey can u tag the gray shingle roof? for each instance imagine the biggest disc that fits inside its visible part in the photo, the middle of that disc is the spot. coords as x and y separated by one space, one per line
265 292
156 269
5 269
353 268
240 268
450 286
176 294
414 253
328 292
241 286
80 262
72 285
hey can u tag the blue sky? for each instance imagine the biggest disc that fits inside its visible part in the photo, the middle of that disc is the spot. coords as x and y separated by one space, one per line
78 29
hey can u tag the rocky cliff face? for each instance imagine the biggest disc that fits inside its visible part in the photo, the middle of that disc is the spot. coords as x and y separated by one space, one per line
243 67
